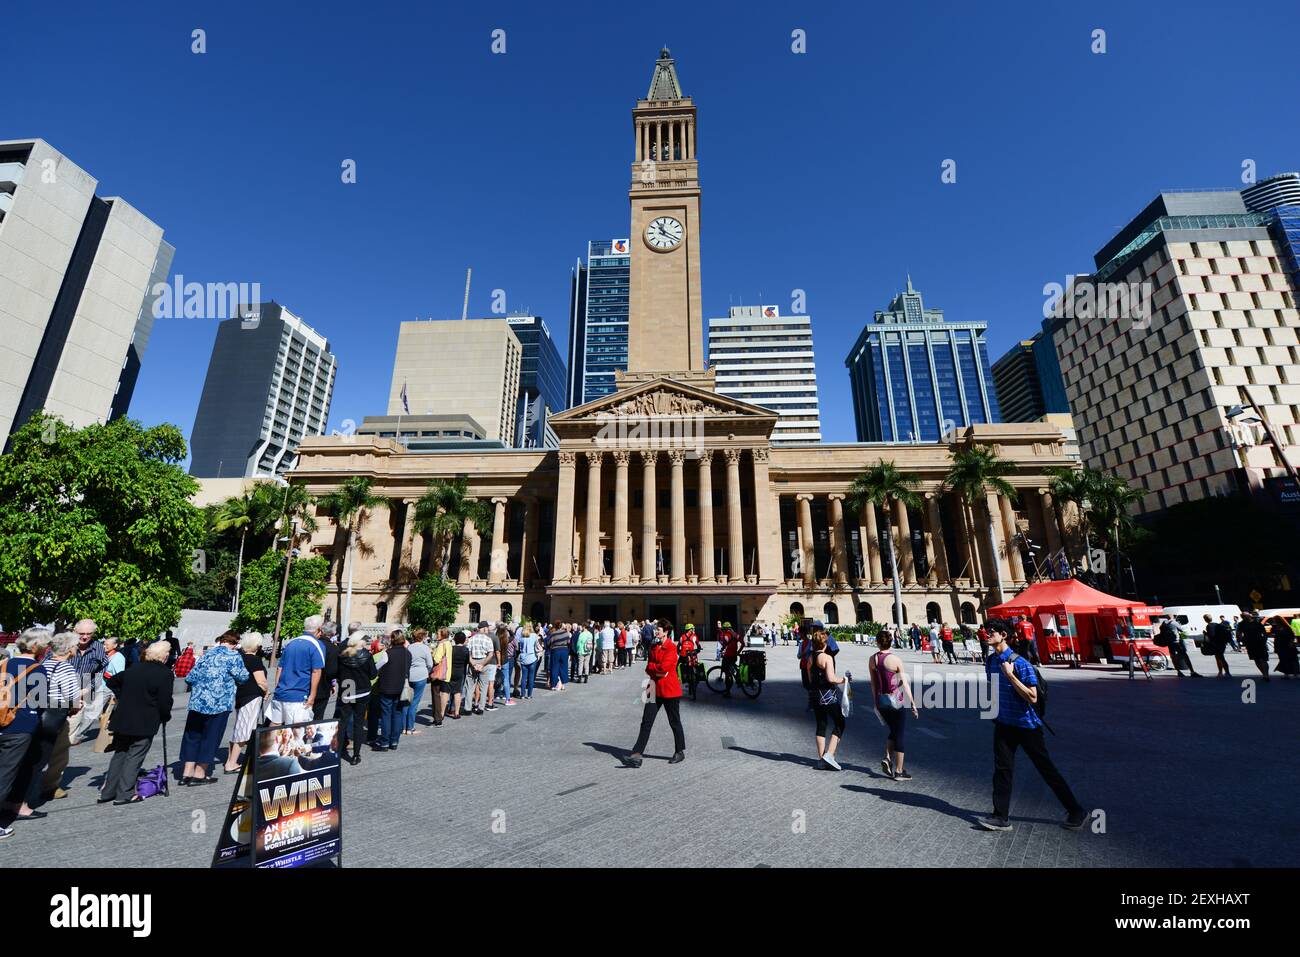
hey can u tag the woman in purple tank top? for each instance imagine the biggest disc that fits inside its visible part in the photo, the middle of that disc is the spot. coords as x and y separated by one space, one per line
892 696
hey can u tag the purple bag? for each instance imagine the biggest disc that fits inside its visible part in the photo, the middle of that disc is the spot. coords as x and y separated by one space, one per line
151 783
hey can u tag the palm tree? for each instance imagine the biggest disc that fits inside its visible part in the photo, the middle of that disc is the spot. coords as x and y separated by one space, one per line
1075 486
248 512
976 472
346 504
286 505
443 510
1110 499
877 486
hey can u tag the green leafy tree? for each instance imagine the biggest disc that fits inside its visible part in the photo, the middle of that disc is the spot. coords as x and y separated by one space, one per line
879 485
975 473
263 576
434 603
1073 487
1111 500
443 510
253 512
84 512
346 505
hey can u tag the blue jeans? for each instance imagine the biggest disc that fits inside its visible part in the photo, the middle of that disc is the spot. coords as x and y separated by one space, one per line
528 678
560 657
390 720
507 672
417 692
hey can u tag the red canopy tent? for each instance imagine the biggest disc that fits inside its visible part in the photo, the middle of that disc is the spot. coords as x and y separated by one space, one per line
1082 619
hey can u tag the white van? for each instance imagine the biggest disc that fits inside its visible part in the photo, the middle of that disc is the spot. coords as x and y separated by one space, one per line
1191 618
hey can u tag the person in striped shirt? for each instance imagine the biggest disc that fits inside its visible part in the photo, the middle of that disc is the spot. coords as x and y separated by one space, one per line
90 659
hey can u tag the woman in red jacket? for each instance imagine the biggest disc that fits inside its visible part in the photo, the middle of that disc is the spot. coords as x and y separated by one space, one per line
661 666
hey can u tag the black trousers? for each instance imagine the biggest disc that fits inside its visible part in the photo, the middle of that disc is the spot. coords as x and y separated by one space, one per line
648 715
14 781
129 753
1006 739
351 716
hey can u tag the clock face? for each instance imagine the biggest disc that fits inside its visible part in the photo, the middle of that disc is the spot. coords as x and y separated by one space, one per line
664 233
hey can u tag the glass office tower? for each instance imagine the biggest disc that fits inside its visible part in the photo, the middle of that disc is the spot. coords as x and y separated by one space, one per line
915 376
598 320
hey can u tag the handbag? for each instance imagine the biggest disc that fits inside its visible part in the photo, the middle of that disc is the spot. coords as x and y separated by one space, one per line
155 782
105 738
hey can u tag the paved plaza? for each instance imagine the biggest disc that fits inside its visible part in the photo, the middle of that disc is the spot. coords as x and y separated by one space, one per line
1184 771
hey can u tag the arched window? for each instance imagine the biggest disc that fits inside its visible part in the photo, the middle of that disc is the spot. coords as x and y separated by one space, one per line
967 613
864 613
475 613
796 608
830 613
932 612
507 611
381 612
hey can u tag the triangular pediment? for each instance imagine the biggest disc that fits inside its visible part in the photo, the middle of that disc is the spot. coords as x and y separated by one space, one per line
661 397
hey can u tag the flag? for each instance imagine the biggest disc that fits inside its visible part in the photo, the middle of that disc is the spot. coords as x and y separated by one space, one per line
405 405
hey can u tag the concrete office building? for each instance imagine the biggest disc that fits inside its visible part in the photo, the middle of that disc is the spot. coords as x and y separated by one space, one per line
1151 389
76 277
428 432
762 357
1027 381
269 385
468 367
599 307
916 376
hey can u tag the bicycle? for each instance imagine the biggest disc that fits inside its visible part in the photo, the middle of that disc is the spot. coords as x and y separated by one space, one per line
744 678
690 676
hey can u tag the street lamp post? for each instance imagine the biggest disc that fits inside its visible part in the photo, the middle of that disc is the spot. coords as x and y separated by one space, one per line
1261 418
284 591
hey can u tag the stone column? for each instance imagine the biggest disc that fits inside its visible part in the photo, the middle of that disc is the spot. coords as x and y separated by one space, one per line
999 558
735 519
622 544
529 544
467 535
871 544
407 534
839 540
767 520
475 545
498 561
649 503
591 567
906 560
563 567
1010 533
936 549
707 573
809 554
1050 527
678 459
974 541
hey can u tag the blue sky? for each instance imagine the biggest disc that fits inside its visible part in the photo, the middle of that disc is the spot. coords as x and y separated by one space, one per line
819 171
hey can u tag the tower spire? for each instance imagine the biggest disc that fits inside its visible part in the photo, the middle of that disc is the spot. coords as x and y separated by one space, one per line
664 85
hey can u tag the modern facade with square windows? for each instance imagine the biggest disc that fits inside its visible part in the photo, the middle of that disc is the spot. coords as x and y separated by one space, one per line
758 355
916 376
269 385
598 319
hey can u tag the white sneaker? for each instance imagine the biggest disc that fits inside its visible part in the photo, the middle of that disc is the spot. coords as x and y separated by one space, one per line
831 762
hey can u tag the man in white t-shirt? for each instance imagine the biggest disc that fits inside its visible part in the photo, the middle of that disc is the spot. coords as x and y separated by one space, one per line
606 664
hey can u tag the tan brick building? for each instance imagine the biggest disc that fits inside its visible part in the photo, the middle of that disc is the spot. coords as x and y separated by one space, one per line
669 499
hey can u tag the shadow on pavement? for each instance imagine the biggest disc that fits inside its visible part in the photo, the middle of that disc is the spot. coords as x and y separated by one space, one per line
806 760
915 799
621 753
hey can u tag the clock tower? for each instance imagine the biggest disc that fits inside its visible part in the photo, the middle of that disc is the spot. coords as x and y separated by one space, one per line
665 328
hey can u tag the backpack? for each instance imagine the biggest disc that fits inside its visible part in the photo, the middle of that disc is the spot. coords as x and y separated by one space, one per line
1210 641
8 693
1040 706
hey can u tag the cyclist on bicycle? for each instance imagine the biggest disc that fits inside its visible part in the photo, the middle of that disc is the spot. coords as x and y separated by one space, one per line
689 656
731 643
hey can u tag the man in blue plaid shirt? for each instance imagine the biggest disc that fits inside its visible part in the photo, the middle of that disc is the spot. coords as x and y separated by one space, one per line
1017 725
